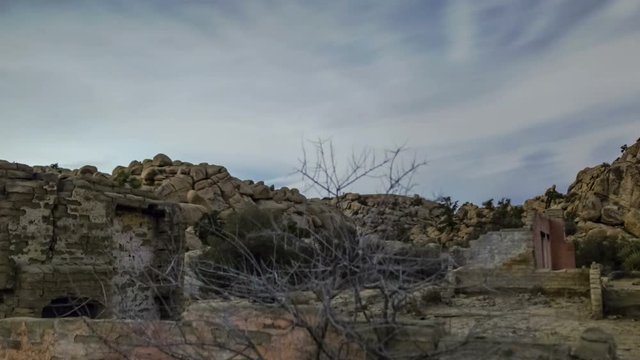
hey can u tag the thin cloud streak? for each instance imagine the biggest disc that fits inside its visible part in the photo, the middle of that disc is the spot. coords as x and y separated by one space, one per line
242 84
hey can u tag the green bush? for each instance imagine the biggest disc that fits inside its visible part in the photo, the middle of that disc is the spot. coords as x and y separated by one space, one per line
612 253
124 177
605 251
630 256
251 220
506 216
488 204
261 232
570 226
447 221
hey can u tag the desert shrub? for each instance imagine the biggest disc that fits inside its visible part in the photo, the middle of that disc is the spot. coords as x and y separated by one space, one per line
244 241
570 225
262 233
251 220
447 221
208 228
124 177
507 216
630 256
488 204
612 253
417 200
604 251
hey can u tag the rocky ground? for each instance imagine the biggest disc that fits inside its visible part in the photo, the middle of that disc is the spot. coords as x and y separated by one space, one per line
533 319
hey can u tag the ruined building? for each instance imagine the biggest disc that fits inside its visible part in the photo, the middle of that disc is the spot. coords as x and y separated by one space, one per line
77 244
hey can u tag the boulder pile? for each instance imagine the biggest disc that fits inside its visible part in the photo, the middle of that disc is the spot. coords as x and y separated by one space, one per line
603 201
214 189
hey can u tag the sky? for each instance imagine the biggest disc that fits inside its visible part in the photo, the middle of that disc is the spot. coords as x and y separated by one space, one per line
502 98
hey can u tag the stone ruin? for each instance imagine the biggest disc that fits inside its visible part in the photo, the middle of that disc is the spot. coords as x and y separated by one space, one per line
81 237
69 239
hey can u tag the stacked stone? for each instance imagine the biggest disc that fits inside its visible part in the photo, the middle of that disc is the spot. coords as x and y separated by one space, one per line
14 191
214 189
595 285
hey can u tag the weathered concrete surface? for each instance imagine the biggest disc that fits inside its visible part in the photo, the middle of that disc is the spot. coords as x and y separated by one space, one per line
622 297
502 248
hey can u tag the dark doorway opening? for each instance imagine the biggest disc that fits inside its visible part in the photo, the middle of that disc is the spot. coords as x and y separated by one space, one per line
63 307
167 308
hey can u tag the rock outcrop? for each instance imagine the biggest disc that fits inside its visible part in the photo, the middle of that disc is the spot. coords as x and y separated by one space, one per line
420 221
213 189
604 201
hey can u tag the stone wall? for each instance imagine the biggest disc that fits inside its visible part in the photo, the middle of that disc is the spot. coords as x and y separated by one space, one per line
213 332
81 236
595 291
570 281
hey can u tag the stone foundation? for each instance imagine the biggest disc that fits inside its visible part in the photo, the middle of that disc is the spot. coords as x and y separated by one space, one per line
218 332
569 281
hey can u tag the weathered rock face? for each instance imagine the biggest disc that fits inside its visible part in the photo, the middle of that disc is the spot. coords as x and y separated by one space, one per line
605 197
609 193
213 189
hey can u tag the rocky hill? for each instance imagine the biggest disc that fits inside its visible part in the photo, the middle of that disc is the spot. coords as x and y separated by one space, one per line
604 200
602 203
420 221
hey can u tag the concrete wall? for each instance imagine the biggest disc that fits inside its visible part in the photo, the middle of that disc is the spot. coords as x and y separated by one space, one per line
63 235
506 247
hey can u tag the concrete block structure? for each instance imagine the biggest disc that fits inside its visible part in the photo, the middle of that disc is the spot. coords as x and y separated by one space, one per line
552 250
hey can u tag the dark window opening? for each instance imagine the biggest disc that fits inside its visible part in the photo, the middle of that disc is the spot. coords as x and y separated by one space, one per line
72 307
151 210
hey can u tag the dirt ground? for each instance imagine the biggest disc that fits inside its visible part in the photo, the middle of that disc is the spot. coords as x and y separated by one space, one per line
535 318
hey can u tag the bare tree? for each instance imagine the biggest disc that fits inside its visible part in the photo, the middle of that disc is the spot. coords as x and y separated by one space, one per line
358 290
321 169
355 290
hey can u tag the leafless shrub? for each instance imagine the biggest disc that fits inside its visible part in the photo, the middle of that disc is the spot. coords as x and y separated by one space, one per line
321 169
356 289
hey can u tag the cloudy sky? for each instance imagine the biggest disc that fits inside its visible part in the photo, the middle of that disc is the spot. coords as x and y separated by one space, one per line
502 97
